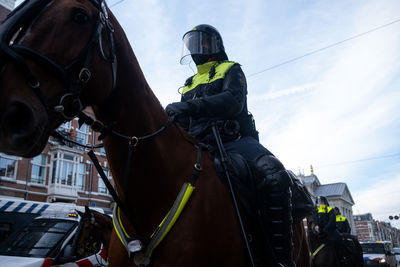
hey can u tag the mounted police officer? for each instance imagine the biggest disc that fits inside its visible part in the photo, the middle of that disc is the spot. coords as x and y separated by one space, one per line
326 221
217 93
342 224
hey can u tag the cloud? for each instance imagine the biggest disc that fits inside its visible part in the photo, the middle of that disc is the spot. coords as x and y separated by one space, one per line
282 93
351 112
381 198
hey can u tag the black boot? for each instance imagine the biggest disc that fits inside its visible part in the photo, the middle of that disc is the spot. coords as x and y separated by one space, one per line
276 208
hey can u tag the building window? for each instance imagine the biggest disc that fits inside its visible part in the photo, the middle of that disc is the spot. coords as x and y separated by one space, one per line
64 169
102 151
82 134
80 183
8 166
101 185
38 174
65 127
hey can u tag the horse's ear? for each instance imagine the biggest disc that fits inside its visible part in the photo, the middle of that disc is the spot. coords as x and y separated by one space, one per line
80 213
87 210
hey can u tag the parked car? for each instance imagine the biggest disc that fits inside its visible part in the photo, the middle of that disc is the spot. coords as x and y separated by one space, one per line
397 254
16 213
48 240
378 253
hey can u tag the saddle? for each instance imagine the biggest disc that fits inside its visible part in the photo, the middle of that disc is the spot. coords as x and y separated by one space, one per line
252 200
242 176
350 244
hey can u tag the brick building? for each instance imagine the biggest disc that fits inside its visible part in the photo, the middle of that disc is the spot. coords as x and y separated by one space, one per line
61 173
5 7
368 229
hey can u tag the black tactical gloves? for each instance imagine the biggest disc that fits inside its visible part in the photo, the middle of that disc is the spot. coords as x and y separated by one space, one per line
178 109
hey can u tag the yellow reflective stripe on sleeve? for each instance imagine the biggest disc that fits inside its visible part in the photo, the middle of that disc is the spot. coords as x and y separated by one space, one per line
220 72
340 218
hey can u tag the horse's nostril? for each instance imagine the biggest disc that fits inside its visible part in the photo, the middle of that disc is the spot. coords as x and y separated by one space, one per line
18 119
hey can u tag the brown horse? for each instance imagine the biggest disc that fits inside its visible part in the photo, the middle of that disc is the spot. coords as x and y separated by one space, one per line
52 66
95 229
325 255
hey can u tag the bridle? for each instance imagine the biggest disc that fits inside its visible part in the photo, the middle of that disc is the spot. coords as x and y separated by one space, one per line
70 104
91 221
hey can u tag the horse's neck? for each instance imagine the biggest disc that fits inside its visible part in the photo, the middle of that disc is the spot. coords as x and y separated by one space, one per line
132 106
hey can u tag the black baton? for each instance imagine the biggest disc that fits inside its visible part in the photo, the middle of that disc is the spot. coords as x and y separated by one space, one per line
222 153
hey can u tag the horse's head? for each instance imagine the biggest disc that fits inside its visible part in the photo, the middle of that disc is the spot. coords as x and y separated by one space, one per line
87 243
56 57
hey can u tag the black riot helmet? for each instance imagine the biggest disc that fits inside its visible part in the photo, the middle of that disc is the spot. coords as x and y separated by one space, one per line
337 210
321 200
202 43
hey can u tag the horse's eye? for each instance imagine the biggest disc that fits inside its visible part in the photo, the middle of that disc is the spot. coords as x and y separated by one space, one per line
80 16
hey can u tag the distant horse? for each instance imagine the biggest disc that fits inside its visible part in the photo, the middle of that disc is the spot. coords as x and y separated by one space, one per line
94 231
59 56
325 255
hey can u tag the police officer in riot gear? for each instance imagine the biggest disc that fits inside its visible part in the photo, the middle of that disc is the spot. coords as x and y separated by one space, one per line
325 218
342 224
326 221
217 93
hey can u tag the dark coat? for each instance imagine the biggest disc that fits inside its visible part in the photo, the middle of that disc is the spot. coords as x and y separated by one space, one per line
220 100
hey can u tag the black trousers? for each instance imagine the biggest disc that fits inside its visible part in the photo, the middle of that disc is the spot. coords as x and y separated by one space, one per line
248 147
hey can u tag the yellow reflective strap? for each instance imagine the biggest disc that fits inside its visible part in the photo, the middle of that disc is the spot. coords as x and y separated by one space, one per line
120 223
203 77
117 228
164 227
318 250
176 210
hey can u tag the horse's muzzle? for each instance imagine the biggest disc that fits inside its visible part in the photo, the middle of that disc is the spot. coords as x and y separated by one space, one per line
21 133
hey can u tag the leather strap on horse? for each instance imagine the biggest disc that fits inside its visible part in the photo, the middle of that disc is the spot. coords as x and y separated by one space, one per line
133 246
129 213
98 126
142 253
70 104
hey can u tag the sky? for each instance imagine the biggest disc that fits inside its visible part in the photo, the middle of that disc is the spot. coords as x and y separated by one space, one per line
323 80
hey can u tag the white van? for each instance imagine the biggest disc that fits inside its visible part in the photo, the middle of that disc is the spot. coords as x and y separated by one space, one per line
378 253
397 254
47 240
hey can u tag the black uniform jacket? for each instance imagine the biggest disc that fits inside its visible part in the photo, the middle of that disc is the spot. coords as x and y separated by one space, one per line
217 93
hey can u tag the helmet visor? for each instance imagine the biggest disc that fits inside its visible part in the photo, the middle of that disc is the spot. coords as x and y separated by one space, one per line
198 43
